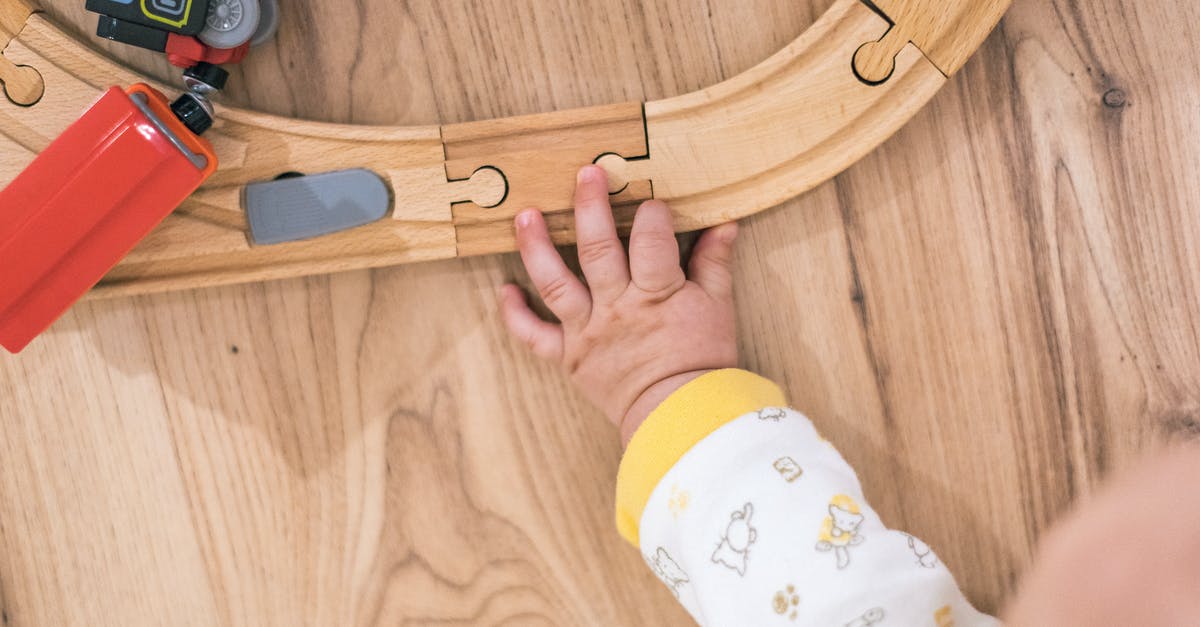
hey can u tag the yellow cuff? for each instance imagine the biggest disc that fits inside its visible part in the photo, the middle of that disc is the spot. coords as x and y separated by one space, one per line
688 416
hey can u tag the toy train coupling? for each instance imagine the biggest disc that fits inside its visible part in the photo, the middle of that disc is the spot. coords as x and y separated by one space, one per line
87 200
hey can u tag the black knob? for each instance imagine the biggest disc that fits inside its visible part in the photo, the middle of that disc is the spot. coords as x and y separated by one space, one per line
190 110
209 74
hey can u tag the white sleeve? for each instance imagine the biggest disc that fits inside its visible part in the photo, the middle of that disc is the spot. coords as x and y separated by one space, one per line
762 522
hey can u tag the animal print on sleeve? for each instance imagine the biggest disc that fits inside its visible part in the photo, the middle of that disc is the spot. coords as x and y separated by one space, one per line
839 531
734 550
763 523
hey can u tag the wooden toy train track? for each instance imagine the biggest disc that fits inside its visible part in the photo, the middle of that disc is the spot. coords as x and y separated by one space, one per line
739 147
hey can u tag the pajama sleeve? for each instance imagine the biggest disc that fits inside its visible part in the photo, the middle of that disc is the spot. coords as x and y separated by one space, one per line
749 517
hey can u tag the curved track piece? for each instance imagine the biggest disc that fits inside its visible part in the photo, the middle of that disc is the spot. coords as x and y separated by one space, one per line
719 154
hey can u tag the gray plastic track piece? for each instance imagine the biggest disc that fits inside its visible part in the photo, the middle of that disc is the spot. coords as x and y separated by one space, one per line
291 209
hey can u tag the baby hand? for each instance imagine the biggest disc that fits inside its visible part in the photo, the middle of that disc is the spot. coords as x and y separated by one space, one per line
639 328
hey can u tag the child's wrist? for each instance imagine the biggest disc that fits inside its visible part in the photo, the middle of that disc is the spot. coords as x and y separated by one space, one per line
651 399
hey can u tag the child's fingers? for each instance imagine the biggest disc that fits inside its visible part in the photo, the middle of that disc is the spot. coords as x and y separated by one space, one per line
562 292
712 260
543 338
600 252
654 251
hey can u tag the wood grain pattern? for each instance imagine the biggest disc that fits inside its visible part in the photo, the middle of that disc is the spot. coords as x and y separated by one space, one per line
13 19
22 86
773 132
987 315
946 38
718 152
538 156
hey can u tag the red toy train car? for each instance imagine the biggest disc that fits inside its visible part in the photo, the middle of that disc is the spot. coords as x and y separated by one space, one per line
87 200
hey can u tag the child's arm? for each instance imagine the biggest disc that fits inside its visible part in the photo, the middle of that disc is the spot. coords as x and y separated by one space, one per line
738 505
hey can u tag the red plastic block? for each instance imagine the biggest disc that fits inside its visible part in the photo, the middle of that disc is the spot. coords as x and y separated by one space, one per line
185 52
85 202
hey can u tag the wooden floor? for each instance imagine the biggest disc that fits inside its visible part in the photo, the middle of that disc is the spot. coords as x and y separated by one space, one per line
987 315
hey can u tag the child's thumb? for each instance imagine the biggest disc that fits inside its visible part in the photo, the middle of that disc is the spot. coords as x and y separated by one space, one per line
712 261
